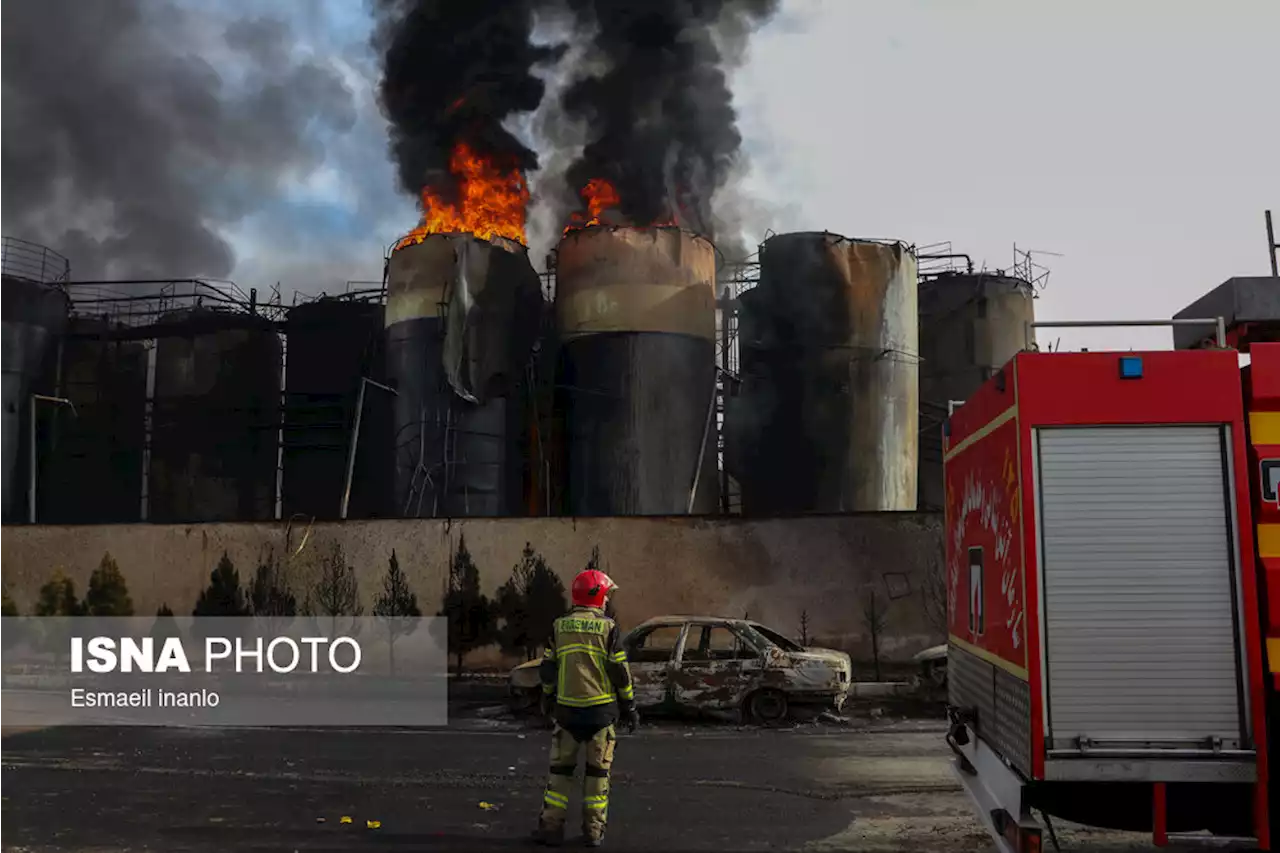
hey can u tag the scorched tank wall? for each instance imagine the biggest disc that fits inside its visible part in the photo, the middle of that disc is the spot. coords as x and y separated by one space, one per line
34 314
105 375
216 416
971 325
827 412
455 457
333 345
636 314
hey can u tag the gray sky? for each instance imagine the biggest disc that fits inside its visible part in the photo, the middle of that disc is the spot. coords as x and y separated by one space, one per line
1140 139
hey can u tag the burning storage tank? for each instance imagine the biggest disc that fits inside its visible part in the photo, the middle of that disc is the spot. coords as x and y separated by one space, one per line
826 414
971 325
34 315
104 374
461 319
215 417
635 309
334 344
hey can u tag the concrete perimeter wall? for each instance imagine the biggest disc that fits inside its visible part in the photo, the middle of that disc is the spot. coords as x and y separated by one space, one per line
771 569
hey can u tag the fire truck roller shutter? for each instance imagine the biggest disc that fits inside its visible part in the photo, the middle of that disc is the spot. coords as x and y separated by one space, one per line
1139 580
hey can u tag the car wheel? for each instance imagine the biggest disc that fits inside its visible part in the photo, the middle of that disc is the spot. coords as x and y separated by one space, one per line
767 706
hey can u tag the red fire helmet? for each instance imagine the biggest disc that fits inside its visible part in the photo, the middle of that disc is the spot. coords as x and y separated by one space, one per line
591 588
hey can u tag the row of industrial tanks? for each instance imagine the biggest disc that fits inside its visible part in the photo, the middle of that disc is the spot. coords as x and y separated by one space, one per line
489 396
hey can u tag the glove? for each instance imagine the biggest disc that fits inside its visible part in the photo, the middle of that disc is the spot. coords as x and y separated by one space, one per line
632 721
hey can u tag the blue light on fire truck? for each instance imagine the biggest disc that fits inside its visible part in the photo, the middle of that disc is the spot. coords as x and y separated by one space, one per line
1130 367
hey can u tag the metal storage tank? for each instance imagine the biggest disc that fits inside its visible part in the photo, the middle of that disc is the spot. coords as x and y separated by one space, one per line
826 415
635 309
461 317
216 418
33 316
971 325
333 344
104 374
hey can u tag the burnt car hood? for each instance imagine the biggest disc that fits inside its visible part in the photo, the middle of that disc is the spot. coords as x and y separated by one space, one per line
837 659
815 669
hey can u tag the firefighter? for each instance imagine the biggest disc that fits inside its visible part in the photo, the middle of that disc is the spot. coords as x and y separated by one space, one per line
586 686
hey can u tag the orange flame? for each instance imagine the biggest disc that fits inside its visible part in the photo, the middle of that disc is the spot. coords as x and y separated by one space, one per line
492 202
599 195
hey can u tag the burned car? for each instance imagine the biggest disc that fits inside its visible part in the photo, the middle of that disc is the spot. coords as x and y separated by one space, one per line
721 666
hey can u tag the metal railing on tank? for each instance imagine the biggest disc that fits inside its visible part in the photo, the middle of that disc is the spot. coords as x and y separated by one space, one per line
32 262
144 302
355 291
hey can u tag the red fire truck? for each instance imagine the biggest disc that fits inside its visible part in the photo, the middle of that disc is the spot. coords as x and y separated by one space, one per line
1113 587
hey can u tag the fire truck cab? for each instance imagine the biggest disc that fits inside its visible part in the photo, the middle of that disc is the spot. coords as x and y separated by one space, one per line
1113 582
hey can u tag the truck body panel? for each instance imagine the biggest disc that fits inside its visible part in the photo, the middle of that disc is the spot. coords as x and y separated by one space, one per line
1102 591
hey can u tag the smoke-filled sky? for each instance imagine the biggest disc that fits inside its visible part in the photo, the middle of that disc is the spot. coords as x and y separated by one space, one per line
1139 141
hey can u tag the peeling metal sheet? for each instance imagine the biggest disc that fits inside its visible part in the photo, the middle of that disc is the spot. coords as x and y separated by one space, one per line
494 304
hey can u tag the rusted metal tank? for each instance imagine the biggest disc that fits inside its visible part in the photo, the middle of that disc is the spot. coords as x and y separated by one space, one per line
827 412
635 310
461 318
215 418
32 315
971 324
104 374
333 345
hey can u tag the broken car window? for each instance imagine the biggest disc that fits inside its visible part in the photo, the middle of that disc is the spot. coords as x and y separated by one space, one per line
656 645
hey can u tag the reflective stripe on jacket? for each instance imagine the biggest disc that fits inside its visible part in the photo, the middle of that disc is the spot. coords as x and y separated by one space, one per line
584 666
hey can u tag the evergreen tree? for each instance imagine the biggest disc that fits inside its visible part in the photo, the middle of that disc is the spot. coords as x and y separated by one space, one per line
164 627
223 596
108 593
396 606
529 603
8 607
336 592
269 592
468 610
58 597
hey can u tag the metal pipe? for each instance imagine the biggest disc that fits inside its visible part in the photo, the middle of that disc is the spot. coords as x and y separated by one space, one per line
702 451
355 440
1272 245
1219 322
31 460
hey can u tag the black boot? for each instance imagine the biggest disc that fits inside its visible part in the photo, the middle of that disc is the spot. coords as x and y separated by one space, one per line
548 836
591 838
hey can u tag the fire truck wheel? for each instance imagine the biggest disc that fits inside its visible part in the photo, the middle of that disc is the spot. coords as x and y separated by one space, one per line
767 706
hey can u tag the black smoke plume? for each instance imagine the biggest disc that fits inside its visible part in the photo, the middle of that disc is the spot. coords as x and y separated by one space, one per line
660 120
455 71
126 150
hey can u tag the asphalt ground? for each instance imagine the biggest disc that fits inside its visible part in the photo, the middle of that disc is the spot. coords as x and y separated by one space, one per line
874 783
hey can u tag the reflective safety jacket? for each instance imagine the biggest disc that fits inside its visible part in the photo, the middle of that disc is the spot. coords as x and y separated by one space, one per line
585 669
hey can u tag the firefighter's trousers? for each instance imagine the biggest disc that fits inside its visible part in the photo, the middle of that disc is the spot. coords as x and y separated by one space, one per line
595 783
